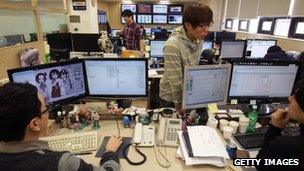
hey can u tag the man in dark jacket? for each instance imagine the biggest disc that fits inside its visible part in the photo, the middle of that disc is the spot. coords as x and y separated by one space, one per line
285 149
23 118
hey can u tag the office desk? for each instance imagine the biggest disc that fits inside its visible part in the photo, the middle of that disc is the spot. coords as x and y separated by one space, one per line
108 128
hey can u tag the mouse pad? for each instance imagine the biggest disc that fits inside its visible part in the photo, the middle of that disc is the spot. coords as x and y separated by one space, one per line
102 148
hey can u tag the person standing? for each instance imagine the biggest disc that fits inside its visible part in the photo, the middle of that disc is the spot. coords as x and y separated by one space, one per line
183 48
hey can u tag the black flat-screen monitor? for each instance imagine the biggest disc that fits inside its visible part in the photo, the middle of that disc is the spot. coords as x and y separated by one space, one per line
175 9
59 41
86 42
160 9
232 49
59 83
117 78
156 48
144 8
160 19
257 48
131 7
175 19
225 36
210 36
265 80
144 19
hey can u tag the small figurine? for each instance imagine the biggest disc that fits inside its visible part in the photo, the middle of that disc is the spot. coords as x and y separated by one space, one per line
127 121
95 118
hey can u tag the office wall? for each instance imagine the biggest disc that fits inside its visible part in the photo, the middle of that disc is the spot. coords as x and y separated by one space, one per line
9 56
113 12
284 43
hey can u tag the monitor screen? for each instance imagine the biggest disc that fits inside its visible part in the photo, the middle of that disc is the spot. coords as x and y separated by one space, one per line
144 19
264 79
207 45
232 49
258 48
175 9
59 83
160 9
159 19
117 77
114 31
205 84
175 19
131 7
156 48
225 36
86 42
148 31
210 36
59 40
144 9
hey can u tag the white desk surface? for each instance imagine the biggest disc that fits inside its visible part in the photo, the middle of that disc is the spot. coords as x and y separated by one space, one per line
108 128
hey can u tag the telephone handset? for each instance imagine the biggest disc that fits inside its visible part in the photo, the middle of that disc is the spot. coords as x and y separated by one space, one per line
144 135
167 133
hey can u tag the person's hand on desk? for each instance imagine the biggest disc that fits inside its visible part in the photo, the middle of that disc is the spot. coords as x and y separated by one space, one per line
280 118
114 143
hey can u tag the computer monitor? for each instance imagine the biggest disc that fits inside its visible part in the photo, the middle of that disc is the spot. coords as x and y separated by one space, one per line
225 36
207 45
257 48
205 84
210 36
59 41
59 83
159 19
156 48
134 18
144 19
148 30
86 42
160 9
175 9
232 49
262 79
175 19
144 8
131 7
117 78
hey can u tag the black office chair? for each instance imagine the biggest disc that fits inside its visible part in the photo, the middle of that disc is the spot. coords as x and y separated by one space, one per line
207 57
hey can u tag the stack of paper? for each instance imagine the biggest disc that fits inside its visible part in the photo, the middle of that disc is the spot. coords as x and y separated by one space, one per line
206 147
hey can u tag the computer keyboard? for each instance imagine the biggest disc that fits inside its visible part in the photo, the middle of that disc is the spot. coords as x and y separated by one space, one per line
250 141
76 142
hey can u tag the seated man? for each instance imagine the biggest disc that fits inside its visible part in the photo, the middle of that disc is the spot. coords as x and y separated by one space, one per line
23 118
278 147
276 52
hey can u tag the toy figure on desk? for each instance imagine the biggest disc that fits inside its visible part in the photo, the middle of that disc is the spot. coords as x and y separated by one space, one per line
74 121
95 118
113 107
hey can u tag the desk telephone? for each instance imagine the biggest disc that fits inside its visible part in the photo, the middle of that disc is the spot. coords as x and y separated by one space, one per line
167 133
144 135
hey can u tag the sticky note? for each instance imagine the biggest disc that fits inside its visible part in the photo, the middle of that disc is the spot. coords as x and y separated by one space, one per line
233 101
213 108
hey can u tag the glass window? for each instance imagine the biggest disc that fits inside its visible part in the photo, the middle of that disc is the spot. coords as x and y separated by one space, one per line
229 23
244 25
53 4
53 23
266 25
235 24
296 29
300 28
17 27
282 27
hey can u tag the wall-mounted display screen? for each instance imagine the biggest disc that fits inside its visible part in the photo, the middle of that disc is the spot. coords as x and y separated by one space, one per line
131 7
175 19
144 19
161 9
144 8
176 9
159 19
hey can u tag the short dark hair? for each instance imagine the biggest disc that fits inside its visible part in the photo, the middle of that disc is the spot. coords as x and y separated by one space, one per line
274 49
298 92
127 13
54 71
37 77
19 104
196 14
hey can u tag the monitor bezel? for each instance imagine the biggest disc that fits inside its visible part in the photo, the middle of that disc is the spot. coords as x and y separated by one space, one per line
84 35
137 8
153 12
121 5
249 57
263 62
175 15
206 67
110 96
10 73
159 15
225 58
175 5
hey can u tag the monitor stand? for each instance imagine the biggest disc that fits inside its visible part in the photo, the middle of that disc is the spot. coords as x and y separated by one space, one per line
201 116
